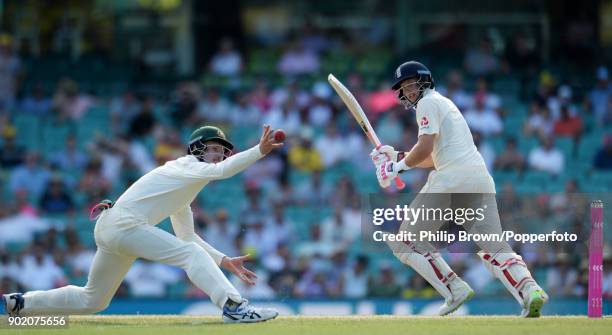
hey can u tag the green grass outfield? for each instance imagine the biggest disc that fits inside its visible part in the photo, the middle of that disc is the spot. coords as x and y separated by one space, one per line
353 325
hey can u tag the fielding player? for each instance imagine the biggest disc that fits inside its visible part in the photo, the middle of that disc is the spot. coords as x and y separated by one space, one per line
126 231
445 143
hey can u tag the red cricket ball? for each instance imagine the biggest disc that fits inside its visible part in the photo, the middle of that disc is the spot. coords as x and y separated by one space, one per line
279 135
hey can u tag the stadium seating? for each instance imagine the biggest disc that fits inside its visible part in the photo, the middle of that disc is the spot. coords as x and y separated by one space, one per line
107 80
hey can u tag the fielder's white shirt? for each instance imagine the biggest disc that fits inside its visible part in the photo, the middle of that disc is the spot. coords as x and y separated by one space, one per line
453 145
168 190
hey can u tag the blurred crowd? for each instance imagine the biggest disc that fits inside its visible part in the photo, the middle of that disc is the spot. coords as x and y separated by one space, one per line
45 239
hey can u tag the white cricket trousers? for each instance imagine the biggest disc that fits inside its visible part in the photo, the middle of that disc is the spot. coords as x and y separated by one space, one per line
466 187
122 237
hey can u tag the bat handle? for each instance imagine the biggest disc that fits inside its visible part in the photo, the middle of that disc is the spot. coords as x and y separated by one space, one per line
399 183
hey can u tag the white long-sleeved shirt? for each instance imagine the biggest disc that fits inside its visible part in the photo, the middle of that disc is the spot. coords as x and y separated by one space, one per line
168 190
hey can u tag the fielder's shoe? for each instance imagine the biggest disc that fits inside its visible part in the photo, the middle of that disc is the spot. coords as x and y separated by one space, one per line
13 303
461 292
535 299
246 313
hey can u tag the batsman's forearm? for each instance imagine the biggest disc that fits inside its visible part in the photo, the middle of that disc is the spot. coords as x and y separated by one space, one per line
416 156
425 164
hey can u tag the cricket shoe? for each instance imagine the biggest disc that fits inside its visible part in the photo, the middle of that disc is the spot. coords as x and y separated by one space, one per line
13 303
534 301
246 313
460 293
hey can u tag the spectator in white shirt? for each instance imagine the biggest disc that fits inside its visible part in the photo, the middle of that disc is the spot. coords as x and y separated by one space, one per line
31 176
70 158
599 99
313 191
227 61
221 233
279 227
215 108
539 122
290 90
260 290
546 157
315 245
320 110
298 60
563 99
69 102
79 257
454 90
331 146
351 214
265 172
356 279
335 230
286 116
483 119
148 279
245 112
20 227
357 145
491 100
390 129
40 272
259 239
278 261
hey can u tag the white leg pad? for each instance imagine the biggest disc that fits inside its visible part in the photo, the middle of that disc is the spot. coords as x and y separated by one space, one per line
430 265
511 270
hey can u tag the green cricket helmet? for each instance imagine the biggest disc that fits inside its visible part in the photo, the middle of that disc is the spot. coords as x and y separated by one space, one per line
205 134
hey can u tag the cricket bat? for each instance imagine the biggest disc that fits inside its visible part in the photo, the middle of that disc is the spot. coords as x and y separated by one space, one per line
357 112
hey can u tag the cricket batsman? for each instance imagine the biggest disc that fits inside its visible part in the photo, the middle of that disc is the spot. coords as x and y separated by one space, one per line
445 143
125 230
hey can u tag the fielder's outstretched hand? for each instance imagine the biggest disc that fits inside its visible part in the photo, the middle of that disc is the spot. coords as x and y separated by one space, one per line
235 265
267 142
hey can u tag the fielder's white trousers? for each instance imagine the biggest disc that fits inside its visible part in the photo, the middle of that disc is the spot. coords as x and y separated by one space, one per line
122 237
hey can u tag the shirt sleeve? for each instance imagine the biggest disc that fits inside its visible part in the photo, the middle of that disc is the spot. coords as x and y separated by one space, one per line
225 169
182 224
428 117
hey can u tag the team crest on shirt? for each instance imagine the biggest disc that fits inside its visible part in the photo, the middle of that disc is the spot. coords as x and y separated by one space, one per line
424 122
